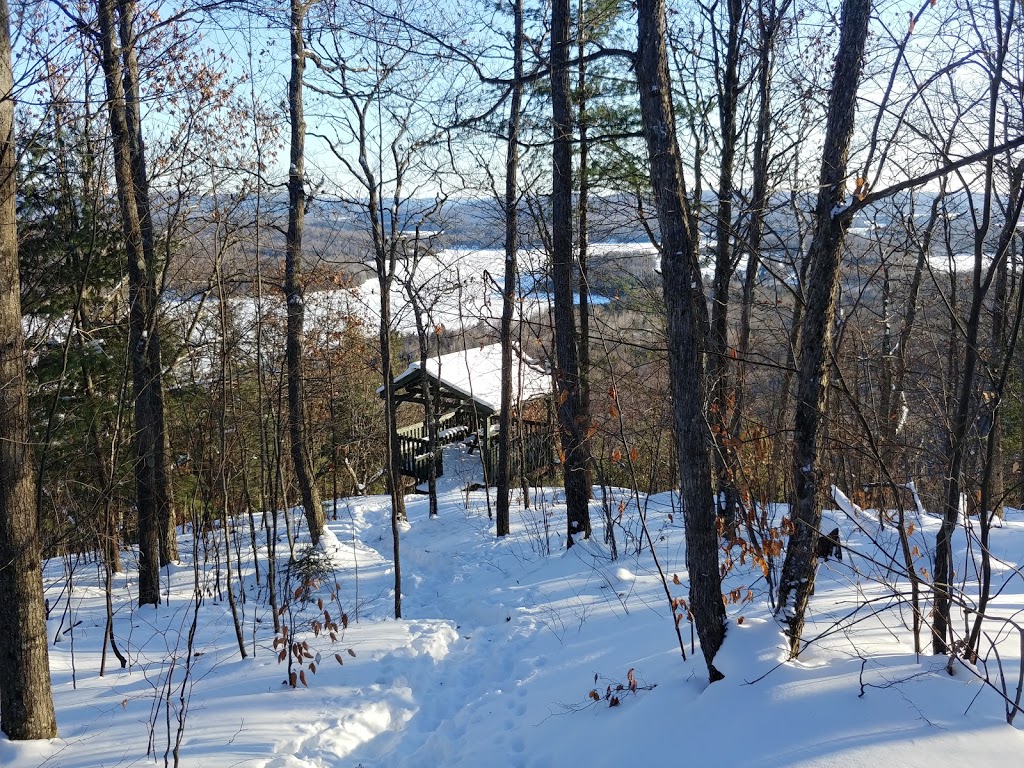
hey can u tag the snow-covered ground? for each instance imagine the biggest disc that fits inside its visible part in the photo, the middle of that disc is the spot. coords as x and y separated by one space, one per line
500 646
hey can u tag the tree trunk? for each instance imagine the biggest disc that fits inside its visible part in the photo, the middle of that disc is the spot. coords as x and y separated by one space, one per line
430 402
582 203
148 437
572 429
1006 336
687 330
26 703
393 475
816 336
293 284
1000 330
981 283
769 23
962 416
722 390
894 398
508 293
166 513
109 524
164 496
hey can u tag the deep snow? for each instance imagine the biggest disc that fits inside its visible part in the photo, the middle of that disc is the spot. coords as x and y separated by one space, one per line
497 651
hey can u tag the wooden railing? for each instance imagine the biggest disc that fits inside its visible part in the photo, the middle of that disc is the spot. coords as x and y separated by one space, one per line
415 455
414 458
414 445
538 449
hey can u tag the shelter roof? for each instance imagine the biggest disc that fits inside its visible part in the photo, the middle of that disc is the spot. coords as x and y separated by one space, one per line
474 375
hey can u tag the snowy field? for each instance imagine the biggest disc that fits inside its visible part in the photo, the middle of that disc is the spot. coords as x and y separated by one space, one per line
499 649
456 288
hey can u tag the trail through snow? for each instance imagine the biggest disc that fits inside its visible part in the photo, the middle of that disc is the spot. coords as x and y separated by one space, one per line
501 643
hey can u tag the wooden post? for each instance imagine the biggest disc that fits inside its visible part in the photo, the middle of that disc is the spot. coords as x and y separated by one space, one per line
485 454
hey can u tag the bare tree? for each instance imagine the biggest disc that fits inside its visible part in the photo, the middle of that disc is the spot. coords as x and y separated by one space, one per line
301 460
508 293
154 499
769 26
423 290
816 337
722 392
387 130
984 279
687 330
572 420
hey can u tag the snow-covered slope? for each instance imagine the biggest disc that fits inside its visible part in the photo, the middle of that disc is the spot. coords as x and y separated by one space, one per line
500 645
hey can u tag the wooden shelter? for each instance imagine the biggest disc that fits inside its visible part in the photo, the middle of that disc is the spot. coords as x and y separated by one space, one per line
466 389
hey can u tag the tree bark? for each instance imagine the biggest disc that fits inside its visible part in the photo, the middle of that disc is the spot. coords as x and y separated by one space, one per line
687 331
26 702
293 284
816 337
571 420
